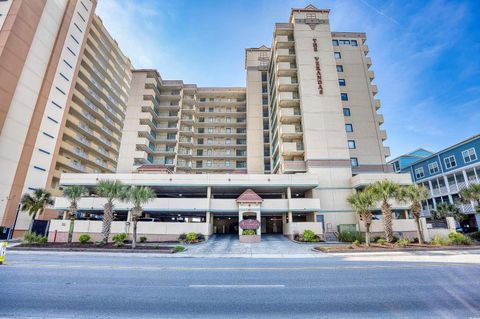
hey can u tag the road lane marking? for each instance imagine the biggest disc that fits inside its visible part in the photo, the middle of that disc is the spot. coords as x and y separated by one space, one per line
170 268
236 286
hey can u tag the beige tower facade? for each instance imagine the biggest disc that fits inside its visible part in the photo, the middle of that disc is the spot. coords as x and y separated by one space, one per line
182 127
64 82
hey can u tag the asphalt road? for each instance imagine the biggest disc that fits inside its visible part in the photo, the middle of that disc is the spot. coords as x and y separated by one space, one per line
76 286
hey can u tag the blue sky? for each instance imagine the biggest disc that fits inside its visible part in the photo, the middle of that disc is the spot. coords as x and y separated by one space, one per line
426 54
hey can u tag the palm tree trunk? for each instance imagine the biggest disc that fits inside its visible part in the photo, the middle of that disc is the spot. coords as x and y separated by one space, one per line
70 229
387 221
419 228
134 237
107 222
367 234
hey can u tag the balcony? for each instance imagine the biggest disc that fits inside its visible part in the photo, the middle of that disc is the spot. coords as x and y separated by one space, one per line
371 75
293 167
291 148
380 119
374 89
387 151
377 104
383 135
290 115
290 131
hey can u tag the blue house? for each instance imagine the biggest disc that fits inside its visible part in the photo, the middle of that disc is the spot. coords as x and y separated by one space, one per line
402 163
446 173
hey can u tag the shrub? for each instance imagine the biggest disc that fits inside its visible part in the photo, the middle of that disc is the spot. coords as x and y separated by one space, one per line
191 237
248 232
395 239
459 239
84 238
178 249
356 243
403 242
309 235
119 239
441 241
349 236
143 239
381 241
32 238
182 237
200 237
475 235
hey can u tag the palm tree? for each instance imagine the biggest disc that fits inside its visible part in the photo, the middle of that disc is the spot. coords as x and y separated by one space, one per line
384 191
34 203
415 194
445 210
363 203
73 193
471 193
138 196
111 190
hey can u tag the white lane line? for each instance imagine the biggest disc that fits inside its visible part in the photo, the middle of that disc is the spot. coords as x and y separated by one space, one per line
236 286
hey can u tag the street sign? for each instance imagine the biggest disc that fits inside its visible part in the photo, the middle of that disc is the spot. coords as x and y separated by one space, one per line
3 251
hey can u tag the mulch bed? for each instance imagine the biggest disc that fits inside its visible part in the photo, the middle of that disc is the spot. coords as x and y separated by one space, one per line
391 247
95 248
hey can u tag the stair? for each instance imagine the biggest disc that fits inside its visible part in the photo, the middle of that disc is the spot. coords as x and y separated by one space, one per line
331 237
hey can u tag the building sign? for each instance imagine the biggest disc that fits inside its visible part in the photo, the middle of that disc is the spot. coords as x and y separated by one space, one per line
319 76
249 224
315 47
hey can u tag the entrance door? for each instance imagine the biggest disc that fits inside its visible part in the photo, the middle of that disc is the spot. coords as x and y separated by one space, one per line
225 224
273 224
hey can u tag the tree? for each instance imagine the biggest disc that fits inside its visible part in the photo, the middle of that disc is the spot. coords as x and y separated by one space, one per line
138 196
363 203
73 193
383 191
111 190
415 194
34 203
445 210
471 193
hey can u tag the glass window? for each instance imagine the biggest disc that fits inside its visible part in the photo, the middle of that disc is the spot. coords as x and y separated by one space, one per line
433 168
341 82
338 55
339 68
349 127
335 43
354 43
450 162
228 152
344 41
227 163
210 130
419 173
351 144
354 161
228 141
346 111
469 155
344 96
311 16
209 163
209 141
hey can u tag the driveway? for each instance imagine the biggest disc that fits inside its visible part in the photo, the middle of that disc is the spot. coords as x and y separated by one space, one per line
271 246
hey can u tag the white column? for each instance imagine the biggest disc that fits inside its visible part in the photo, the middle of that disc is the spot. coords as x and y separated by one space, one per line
431 192
476 175
464 172
450 199
289 197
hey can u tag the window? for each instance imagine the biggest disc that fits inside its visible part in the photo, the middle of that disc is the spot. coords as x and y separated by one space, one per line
335 43
354 43
209 163
228 152
338 55
227 163
348 127
341 82
339 68
354 161
228 141
346 111
396 166
311 16
469 155
344 96
351 144
433 168
419 173
210 141
210 130
210 109
228 130
450 162
344 41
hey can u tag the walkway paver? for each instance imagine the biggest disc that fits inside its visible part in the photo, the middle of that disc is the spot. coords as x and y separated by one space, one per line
271 246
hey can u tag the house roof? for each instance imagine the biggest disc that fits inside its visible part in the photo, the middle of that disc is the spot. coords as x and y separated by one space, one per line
249 196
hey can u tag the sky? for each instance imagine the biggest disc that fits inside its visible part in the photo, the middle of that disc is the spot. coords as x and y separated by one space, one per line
425 54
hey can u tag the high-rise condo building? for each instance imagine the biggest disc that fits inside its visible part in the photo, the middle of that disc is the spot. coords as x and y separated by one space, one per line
64 85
